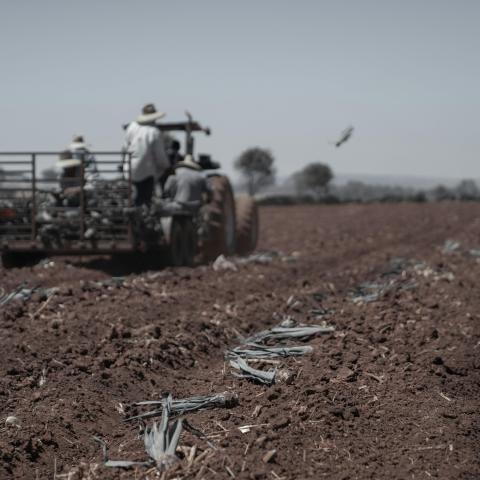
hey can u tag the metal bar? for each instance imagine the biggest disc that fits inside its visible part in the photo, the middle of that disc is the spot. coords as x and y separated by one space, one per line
189 139
72 209
76 250
182 127
34 198
14 239
179 127
64 221
14 162
107 162
82 200
20 189
18 211
15 172
71 222
115 189
17 180
14 227
109 171
119 189
130 199
41 153
112 228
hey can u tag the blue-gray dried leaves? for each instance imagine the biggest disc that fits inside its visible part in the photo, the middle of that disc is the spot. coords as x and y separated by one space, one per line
254 350
188 405
244 370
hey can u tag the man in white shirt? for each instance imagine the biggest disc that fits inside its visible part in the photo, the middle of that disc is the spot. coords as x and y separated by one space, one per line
149 159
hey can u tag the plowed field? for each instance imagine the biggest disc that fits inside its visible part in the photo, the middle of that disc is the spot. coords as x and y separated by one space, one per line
393 392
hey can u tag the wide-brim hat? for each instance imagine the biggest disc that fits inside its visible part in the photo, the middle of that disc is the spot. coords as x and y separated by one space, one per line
188 162
77 145
78 141
149 114
65 160
69 163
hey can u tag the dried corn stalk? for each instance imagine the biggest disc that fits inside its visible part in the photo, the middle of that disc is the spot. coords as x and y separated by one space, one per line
160 442
187 405
254 350
283 332
119 463
250 373
24 294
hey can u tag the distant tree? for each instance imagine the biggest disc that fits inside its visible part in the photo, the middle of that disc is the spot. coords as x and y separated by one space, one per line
441 192
354 191
467 190
314 178
256 166
419 196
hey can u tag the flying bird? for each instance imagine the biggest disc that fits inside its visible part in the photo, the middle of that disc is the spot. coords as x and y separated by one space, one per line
344 136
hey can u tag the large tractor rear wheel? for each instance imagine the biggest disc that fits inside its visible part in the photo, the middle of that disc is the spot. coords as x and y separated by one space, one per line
221 220
247 224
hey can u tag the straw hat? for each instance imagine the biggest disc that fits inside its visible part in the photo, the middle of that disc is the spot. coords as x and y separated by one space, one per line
65 160
77 142
188 162
149 114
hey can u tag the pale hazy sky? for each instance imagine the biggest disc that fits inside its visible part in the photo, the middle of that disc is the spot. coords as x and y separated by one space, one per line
281 74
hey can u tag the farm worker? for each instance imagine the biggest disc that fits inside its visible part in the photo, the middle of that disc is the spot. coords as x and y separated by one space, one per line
174 155
70 178
187 188
149 159
70 170
79 150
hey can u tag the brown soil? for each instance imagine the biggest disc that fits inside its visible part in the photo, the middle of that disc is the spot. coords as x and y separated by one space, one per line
393 393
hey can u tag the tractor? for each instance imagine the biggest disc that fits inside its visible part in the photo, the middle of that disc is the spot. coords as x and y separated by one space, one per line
39 220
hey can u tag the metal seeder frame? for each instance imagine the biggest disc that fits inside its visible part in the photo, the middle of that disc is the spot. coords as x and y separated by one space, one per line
22 192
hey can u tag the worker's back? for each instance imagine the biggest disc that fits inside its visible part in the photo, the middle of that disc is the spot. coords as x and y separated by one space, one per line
187 186
145 143
191 184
